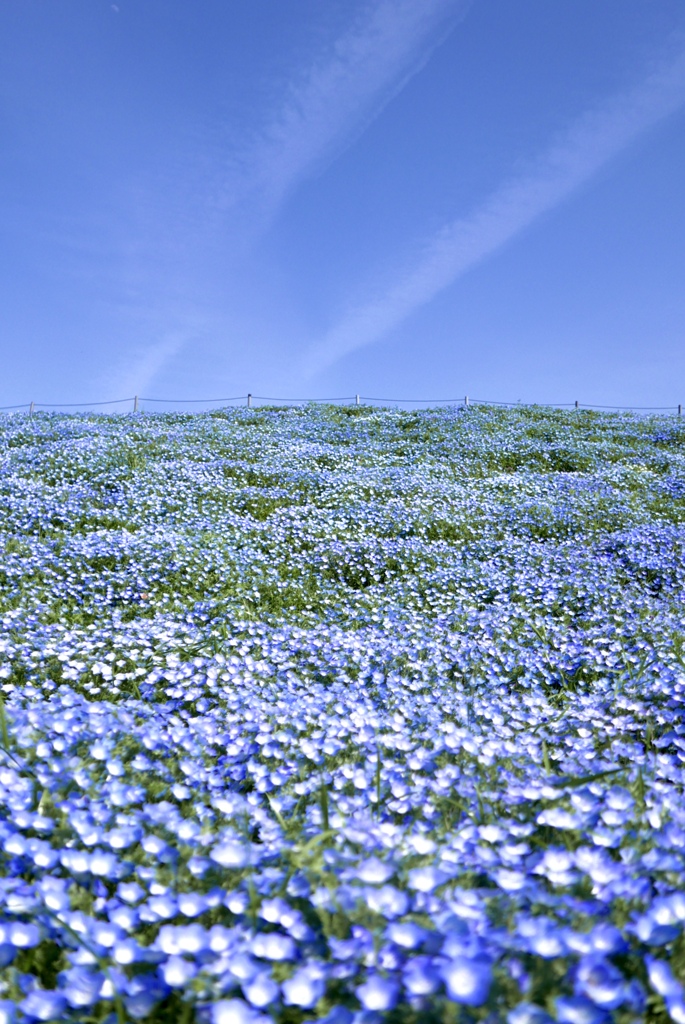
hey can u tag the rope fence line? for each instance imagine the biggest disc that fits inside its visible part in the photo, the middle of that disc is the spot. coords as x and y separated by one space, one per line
76 405
357 400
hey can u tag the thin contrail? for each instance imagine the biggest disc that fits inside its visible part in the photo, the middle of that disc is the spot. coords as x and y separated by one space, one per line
149 363
572 159
325 107
330 103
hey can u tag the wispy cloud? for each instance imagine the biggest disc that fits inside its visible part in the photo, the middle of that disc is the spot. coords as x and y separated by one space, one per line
571 160
147 364
329 104
324 108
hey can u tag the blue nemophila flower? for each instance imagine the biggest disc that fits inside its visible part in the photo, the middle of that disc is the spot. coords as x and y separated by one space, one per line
276 910
75 861
579 1010
236 902
560 817
81 986
467 981
243 967
662 981
54 892
528 1013
104 865
605 938
557 865
235 1011
427 878
231 853
126 952
192 938
349 949
125 917
338 1015
274 946
387 900
142 993
7 954
378 993
598 864
373 871
260 990
19 934
130 892
153 845
676 1009
306 986
542 936
406 934
421 976
422 844
654 932
177 971
161 907
600 981
458 938
104 934
192 904
15 844
7 1011
43 1005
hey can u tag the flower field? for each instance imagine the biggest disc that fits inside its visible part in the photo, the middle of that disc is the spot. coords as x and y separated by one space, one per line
342 714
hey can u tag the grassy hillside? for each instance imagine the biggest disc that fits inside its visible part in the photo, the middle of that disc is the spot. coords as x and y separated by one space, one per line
342 714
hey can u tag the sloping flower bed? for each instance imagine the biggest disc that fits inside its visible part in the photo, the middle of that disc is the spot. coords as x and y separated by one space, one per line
344 715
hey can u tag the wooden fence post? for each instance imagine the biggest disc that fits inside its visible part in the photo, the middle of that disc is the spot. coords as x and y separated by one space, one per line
249 401
576 403
31 408
135 403
466 401
356 399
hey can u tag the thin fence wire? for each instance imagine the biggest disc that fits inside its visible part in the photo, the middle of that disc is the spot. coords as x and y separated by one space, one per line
546 405
420 401
191 401
304 401
77 405
632 408
136 401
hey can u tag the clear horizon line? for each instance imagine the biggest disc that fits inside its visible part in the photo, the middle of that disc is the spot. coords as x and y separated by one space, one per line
465 402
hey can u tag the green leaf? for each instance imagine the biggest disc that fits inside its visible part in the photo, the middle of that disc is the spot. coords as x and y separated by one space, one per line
573 781
4 733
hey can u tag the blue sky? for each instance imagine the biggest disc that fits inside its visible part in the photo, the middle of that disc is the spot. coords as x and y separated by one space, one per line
398 198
